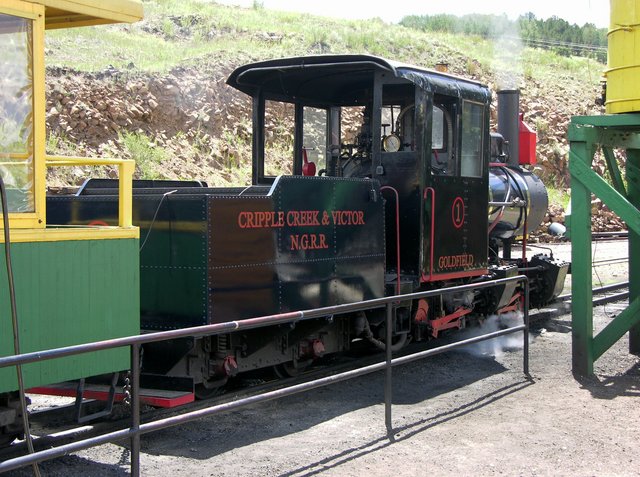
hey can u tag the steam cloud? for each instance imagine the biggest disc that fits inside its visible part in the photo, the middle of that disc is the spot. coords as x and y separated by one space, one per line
497 346
507 55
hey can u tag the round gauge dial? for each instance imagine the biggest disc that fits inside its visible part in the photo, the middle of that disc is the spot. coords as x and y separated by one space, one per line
391 143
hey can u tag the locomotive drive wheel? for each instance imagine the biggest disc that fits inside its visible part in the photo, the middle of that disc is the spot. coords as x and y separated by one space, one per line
6 439
289 370
210 389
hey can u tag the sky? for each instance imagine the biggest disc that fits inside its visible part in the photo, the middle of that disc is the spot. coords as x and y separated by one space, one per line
574 11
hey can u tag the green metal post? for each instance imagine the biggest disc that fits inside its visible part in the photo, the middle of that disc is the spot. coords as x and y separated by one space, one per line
633 188
614 170
581 283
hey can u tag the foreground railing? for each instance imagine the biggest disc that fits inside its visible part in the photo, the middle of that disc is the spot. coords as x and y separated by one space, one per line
134 342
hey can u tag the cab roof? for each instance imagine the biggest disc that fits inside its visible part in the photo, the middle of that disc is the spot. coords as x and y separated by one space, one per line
340 79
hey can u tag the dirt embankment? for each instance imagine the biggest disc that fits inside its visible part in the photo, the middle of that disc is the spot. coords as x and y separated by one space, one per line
203 127
186 113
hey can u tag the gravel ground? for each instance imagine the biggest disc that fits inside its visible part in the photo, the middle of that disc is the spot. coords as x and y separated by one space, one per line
469 412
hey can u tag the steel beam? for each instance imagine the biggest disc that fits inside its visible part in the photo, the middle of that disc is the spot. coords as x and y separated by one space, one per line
633 192
586 135
581 282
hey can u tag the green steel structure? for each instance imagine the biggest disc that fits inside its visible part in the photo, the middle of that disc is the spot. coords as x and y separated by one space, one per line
587 134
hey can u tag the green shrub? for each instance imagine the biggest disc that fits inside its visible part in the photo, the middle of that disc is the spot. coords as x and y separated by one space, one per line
145 152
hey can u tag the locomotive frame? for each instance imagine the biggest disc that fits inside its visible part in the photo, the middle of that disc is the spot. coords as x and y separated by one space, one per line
316 232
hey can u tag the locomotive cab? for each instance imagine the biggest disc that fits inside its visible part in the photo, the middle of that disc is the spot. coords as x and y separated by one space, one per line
413 130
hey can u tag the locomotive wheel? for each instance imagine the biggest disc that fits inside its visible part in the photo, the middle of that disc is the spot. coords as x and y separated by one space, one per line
210 389
6 439
288 370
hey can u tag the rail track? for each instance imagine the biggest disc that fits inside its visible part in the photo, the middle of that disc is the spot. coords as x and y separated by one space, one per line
67 431
56 427
603 236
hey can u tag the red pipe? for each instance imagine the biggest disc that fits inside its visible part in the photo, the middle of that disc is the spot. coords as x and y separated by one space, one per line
397 232
497 220
524 238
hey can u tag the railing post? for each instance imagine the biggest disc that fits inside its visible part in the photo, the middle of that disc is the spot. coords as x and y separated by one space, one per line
135 409
525 344
388 381
633 180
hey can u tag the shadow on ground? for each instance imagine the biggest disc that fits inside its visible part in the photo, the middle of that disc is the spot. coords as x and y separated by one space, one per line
414 383
610 387
78 466
417 382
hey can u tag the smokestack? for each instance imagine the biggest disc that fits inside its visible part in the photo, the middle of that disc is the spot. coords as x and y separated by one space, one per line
508 121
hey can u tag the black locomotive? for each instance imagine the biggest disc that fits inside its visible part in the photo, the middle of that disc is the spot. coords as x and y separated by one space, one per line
370 178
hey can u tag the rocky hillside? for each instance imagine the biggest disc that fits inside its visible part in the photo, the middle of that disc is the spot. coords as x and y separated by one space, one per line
186 123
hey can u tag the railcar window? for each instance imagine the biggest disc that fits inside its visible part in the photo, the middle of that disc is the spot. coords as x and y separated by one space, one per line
279 126
314 136
472 139
16 112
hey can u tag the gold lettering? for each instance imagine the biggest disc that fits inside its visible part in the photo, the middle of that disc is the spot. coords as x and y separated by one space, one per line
456 261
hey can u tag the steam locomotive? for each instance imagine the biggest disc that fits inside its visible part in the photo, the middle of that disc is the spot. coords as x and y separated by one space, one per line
369 178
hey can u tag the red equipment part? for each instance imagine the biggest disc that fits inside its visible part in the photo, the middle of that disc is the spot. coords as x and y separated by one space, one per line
229 366
308 168
311 349
318 348
527 139
152 397
423 311
515 304
452 320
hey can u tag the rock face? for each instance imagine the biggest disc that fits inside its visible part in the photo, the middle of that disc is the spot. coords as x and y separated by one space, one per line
203 126
93 109
186 113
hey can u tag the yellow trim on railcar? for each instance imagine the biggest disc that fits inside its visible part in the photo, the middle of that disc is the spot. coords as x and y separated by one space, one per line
73 13
68 233
51 14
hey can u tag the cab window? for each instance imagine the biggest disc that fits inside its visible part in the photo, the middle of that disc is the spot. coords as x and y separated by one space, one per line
279 126
314 137
397 117
443 157
472 139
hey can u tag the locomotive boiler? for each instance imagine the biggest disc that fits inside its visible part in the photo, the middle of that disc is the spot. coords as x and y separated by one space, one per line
369 178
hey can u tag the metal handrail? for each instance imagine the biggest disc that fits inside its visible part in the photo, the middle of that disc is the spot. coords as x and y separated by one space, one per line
126 168
136 341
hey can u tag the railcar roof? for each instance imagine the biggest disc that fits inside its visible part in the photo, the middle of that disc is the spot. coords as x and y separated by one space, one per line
339 79
72 13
